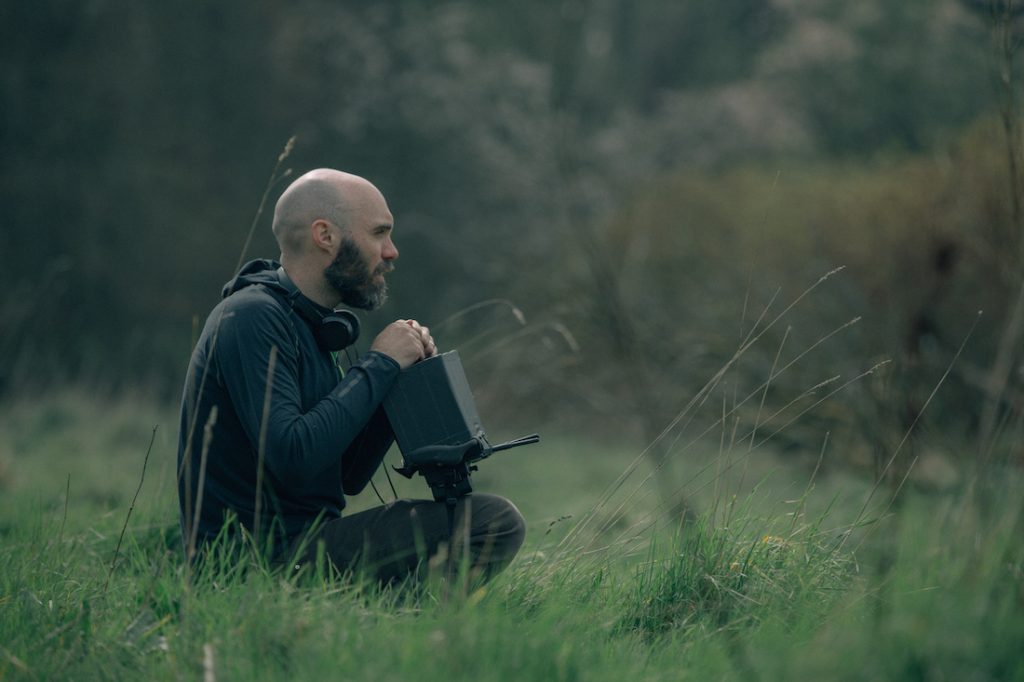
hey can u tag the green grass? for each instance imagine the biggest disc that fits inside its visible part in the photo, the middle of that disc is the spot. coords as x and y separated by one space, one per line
778 578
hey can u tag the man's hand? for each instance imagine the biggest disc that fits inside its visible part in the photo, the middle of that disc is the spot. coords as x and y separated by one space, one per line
405 341
429 349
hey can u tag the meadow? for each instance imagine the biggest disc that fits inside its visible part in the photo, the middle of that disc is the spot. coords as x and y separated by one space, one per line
786 571
597 201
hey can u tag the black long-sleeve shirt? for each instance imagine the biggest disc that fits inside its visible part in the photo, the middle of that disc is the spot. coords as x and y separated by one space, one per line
321 436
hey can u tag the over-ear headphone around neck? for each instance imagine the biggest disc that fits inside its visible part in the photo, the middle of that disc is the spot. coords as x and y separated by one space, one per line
334 331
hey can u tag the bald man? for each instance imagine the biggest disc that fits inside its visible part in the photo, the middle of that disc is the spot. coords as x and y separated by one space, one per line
273 435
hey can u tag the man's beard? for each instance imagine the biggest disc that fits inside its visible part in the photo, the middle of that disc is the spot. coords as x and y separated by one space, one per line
348 275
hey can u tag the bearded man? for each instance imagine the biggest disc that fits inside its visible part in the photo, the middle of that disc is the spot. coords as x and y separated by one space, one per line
273 434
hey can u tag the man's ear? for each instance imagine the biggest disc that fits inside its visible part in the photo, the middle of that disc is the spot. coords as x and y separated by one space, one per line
323 233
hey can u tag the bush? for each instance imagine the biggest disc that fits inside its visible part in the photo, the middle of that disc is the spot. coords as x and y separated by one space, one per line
925 242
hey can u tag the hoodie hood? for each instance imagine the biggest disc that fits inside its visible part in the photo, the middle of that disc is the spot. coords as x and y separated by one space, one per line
261 271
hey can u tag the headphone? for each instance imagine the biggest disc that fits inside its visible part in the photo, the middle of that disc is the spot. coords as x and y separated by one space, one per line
334 331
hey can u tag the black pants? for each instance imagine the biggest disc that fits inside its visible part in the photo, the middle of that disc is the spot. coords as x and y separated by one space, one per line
399 539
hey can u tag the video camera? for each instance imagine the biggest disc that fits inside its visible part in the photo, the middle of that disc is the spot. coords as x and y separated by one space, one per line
438 429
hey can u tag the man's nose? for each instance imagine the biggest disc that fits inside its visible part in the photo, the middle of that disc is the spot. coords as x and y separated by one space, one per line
390 252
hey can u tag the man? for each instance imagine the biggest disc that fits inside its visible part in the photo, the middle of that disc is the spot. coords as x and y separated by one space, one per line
273 437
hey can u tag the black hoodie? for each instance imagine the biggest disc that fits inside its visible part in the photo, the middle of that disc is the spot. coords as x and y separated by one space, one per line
323 436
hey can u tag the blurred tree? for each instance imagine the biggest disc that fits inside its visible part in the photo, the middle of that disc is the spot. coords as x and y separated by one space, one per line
137 138
1006 375
876 75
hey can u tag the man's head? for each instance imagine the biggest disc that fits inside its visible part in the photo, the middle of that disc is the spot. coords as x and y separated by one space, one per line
334 230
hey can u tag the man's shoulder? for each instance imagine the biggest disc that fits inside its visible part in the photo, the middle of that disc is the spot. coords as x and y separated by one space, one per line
252 305
255 296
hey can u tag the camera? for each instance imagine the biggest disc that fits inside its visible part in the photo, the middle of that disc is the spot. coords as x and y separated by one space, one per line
437 427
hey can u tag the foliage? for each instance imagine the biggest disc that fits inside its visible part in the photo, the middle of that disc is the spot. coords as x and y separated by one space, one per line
140 134
695 272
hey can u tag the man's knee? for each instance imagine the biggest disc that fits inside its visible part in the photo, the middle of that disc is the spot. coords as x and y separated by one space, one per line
499 521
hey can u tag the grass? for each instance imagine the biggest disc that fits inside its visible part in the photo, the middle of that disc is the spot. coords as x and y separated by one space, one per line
777 579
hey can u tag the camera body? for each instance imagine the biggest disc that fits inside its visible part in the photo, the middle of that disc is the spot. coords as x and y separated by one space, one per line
437 426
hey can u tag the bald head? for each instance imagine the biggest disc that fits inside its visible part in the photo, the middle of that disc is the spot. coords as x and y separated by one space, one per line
322 194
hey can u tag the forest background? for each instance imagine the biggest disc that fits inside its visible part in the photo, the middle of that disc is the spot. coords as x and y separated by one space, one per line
637 182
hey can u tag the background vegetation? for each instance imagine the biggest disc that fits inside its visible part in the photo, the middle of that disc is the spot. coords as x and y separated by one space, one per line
721 255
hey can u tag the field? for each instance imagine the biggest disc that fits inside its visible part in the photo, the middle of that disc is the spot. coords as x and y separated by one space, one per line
754 269
786 571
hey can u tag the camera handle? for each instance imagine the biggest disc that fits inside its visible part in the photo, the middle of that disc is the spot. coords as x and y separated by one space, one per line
446 467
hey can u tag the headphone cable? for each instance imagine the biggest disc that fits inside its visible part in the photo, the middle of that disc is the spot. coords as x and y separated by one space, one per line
387 474
377 492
